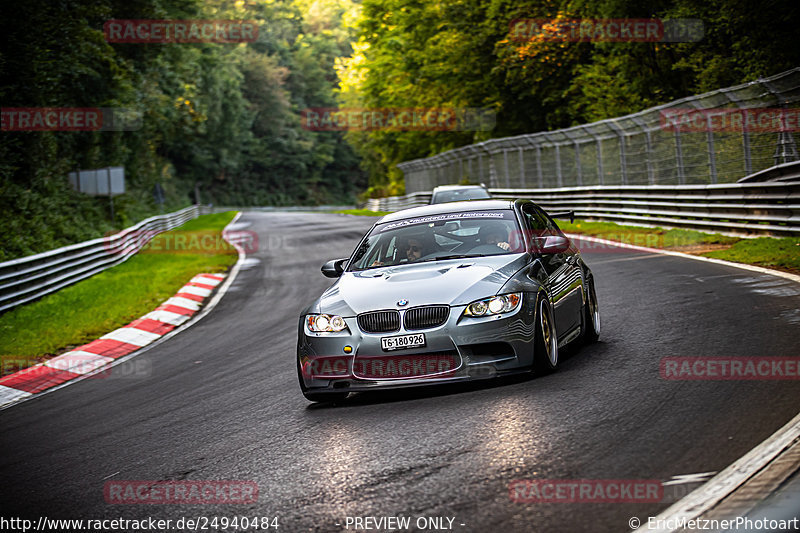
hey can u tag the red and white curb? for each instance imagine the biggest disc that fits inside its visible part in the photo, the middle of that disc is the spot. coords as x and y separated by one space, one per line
183 309
100 353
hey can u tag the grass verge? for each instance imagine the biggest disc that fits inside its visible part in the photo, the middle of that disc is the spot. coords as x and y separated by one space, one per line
91 308
781 253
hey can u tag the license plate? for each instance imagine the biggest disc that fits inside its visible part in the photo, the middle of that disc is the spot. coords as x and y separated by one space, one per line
402 342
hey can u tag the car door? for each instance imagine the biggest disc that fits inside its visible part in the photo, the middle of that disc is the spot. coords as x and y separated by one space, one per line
563 274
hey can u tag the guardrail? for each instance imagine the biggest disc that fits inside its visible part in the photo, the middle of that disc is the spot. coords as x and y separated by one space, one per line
742 209
29 278
396 203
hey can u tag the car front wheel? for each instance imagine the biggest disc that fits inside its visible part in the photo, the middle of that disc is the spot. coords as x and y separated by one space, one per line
546 345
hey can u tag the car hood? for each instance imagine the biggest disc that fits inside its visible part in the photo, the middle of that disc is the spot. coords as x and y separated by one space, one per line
451 282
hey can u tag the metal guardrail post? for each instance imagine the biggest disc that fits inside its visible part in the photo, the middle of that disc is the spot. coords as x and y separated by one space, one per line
748 159
648 155
786 148
712 158
623 165
679 157
558 166
505 163
539 174
600 171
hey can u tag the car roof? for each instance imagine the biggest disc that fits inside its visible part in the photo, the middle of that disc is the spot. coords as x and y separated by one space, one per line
456 187
450 207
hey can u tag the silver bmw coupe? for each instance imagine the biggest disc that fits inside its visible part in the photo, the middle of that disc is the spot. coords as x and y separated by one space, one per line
447 293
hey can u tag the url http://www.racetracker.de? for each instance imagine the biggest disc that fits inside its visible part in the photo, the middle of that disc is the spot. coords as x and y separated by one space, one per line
196 523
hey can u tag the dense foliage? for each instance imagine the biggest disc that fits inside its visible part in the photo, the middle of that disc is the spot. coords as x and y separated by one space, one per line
221 119
458 53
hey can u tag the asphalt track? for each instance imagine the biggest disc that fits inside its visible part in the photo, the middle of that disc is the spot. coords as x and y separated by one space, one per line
220 401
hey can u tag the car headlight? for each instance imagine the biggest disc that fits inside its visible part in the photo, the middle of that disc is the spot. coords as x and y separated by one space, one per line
505 303
322 323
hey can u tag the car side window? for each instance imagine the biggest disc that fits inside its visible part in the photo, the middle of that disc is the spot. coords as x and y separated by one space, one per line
552 228
536 223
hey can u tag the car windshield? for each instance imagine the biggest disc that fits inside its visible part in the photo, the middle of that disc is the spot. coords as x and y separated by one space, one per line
439 237
458 195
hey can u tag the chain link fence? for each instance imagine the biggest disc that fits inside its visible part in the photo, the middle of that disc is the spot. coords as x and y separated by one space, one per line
645 148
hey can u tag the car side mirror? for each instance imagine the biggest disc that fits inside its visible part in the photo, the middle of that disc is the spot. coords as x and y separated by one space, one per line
333 268
554 244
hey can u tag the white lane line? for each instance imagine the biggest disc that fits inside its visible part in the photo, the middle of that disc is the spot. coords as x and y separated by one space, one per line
637 258
720 486
682 479
752 268
723 484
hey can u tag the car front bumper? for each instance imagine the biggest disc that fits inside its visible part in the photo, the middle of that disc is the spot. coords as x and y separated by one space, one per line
461 349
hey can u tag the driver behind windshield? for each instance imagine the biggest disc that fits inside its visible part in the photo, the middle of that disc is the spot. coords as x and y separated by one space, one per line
414 247
411 248
494 234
